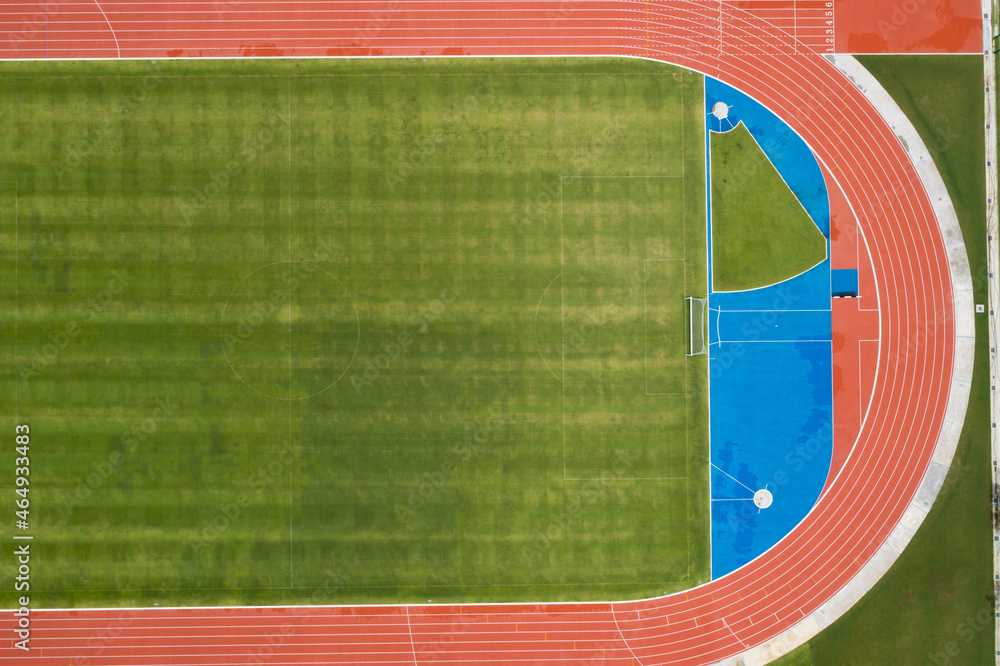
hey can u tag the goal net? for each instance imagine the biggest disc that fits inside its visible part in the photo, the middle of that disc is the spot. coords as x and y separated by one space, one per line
697 324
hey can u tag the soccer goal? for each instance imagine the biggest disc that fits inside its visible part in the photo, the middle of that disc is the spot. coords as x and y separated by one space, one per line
697 325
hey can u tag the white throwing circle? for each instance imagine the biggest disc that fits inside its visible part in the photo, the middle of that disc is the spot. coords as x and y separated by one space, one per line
720 110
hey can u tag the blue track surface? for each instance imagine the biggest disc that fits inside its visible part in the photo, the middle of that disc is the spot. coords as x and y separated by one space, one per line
770 325
771 368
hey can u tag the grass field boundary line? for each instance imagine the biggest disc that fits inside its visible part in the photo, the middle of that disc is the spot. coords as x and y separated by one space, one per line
308 76
629 478
624 177
707 197
687 362
683 167
352 587
645 326
645 335
709 224
16 304
899 53
291 533
355 605
562 322
610 55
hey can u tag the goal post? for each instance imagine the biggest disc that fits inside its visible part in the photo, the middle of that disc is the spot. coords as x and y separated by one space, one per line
697 311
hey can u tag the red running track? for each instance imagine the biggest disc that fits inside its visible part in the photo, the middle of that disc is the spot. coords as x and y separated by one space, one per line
703 625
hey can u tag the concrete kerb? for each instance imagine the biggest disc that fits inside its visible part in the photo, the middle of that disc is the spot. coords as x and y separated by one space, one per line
958 398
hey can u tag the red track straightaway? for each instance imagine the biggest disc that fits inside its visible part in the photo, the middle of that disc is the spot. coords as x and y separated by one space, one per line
700 626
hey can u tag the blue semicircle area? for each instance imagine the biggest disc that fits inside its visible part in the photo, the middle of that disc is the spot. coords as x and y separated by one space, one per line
770 366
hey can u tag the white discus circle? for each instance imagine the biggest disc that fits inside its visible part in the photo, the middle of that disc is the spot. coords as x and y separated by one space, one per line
720 110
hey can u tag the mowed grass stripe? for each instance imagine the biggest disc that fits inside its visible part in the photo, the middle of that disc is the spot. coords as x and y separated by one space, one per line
421 198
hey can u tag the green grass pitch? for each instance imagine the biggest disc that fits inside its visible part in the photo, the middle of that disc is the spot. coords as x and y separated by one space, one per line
761 234
356 331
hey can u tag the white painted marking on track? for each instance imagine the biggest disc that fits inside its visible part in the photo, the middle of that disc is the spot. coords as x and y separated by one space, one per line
726 624
409 629
615 618
119 49
731 477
